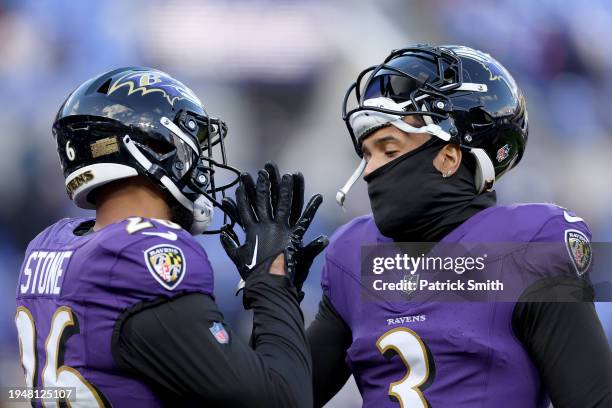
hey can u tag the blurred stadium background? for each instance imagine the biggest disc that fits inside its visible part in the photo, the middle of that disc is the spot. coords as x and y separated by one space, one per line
276 72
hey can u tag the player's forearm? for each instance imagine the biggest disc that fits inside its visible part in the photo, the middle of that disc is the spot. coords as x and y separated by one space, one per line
567 344
278 333
173 346
573 358
329 338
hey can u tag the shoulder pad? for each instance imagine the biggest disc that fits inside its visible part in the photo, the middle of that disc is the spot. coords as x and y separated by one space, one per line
156 253
352 235
516 222
127 232
562 243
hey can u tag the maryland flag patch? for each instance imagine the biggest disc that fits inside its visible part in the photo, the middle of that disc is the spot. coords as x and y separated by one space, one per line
167 264
579 250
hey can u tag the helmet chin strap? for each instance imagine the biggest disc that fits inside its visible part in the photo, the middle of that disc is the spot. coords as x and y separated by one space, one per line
341 194
485 172
202 207
365 122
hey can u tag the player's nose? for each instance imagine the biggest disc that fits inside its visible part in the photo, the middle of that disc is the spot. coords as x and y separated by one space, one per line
371 165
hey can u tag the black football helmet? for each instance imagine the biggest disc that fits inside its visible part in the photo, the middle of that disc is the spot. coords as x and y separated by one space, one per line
463 95
141 121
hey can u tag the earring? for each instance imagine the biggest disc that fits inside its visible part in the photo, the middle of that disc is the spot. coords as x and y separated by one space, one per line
446 174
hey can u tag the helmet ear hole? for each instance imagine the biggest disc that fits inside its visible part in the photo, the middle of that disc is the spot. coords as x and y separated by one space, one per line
479 118
160 147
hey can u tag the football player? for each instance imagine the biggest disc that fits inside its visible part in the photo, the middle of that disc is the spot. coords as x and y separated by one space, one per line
119 308
435 127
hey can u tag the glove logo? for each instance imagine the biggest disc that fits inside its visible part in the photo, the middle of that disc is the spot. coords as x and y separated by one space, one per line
579 250
167 264
254 260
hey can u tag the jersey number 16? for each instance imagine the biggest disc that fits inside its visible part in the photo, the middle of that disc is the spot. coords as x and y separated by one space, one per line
52 375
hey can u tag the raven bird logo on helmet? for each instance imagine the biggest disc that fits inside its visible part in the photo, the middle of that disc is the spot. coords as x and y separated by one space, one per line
154 81
141 121
463 95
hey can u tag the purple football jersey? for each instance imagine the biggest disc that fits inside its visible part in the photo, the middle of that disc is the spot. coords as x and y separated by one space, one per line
447 354
72 289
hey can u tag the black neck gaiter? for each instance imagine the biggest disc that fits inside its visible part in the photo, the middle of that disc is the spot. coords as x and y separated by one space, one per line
412 202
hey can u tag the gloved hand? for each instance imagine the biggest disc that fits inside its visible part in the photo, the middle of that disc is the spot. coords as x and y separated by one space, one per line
266 212
304 255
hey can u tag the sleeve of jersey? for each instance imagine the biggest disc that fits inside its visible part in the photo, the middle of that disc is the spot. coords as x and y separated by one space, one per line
555 318
148 266
560 250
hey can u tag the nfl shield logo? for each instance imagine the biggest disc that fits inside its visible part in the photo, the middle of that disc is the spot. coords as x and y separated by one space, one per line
503 153
219 332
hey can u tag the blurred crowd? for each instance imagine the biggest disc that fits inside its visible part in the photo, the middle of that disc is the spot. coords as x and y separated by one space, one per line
276 72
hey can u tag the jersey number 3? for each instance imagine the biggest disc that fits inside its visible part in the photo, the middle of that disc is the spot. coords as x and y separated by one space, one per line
411 349
52 375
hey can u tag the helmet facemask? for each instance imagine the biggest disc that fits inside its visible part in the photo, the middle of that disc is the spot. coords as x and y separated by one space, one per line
188 172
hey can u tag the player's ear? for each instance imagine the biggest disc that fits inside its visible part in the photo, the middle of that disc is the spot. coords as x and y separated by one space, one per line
448 159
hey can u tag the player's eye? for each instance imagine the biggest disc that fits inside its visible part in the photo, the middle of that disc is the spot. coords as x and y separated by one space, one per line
391 153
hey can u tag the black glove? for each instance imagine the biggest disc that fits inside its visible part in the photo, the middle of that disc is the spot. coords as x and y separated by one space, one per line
304 255
268 232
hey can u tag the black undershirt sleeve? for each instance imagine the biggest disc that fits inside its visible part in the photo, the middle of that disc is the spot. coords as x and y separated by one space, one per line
557 323
168 343
329 338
